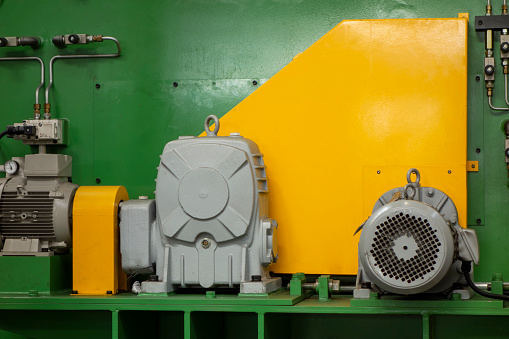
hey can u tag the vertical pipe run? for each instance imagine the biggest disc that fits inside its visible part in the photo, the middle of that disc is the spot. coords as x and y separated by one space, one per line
47 105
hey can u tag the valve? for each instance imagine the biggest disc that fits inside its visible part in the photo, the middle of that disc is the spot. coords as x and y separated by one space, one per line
15 41
62 41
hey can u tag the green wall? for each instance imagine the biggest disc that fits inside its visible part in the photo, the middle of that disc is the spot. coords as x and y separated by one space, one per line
213 51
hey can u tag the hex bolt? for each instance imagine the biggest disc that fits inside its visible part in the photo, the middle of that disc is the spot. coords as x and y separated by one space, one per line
98 180
255 82
473 165
97 86
205 243
478 221
477 150
477 78
175 84
377 172
430 192
449 171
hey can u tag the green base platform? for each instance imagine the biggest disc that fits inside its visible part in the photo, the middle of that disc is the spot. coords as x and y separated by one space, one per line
278 315
36 275
429 302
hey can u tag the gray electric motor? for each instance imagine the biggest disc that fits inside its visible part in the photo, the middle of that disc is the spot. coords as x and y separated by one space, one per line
412 243
35 205
208 226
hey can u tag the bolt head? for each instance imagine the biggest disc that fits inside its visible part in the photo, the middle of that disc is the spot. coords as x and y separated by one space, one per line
335 285
430 192
205 243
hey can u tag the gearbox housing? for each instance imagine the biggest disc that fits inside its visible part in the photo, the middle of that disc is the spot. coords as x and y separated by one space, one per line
208 225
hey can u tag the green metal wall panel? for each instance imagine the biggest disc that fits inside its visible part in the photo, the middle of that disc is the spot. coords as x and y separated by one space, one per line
183 60
212 51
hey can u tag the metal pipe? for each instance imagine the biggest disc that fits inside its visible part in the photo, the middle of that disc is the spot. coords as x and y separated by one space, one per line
505 89
496 108
486 286
47 105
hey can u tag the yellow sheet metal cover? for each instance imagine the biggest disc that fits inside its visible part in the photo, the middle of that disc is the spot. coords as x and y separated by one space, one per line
369 96
96 252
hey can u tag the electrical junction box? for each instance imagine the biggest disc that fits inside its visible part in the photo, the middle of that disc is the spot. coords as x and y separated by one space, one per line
47 131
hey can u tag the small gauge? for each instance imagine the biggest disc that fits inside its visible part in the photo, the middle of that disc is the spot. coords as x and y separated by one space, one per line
11 167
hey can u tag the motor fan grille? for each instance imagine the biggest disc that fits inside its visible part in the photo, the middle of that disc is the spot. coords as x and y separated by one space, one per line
419 266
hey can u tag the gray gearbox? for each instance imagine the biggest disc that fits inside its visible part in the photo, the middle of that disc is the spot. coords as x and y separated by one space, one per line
208 225
412 243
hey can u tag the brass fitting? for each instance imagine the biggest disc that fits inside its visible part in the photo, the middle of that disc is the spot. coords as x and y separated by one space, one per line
504 9
47 108
490 92
506 69
488 9
97 38
37 108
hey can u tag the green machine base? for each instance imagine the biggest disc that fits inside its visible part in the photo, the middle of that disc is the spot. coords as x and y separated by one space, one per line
430 302
276 316
35 275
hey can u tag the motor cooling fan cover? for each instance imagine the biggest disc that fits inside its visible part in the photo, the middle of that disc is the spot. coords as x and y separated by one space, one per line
406 247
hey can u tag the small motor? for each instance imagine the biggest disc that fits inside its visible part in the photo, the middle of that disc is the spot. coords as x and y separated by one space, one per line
208 226
412 243
35 205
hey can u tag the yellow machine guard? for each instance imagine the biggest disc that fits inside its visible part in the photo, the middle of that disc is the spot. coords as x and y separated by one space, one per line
345 120
96 251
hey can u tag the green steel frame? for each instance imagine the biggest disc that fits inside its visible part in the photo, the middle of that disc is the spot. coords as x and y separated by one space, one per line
184 60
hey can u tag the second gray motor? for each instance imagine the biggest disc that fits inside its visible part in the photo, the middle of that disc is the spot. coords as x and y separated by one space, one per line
412 243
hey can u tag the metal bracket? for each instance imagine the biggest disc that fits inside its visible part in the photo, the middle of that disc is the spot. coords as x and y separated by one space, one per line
493 22
472 166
